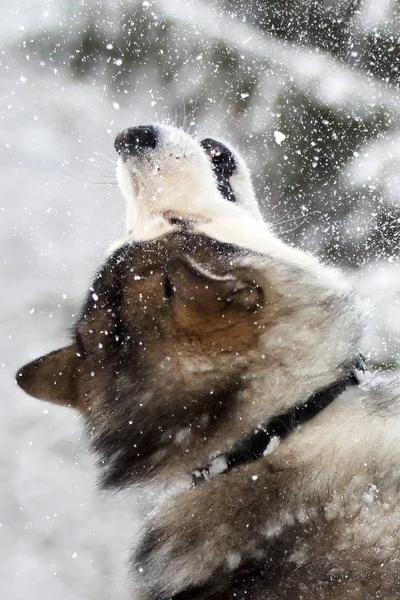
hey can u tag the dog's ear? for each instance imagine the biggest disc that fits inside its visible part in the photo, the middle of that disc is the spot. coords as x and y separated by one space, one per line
52 376
216 308
240 289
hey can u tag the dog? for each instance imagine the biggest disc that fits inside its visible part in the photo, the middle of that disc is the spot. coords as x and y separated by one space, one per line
222 365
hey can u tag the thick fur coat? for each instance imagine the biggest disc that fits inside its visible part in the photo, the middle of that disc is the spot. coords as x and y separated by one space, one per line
200 327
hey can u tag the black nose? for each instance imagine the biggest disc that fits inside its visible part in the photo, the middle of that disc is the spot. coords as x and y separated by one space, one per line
135 140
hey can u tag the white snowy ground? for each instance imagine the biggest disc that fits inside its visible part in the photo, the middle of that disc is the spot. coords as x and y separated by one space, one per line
58 538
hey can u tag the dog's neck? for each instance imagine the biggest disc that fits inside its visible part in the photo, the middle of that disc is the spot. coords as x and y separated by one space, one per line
263 439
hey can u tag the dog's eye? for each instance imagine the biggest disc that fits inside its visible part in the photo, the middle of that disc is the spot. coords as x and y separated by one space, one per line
169 289
220 156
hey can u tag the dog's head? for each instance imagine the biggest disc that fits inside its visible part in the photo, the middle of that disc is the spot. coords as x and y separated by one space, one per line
160 352
186 342
166 175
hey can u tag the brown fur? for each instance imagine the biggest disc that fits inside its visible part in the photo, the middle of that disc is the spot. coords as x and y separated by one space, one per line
185 344
133 342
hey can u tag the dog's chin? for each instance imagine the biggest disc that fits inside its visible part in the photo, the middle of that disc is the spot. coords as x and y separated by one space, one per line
135 188
134 191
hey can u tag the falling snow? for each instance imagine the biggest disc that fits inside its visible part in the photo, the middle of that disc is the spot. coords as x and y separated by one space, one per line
315 111
279 137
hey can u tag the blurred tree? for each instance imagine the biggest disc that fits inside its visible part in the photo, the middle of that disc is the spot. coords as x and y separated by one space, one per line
324 74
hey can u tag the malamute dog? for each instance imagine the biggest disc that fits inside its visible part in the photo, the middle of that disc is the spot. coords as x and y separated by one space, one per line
212 358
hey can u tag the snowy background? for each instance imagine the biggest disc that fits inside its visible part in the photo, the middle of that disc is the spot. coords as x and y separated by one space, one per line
309 91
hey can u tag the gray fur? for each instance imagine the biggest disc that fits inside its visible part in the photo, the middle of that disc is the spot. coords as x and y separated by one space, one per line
191 337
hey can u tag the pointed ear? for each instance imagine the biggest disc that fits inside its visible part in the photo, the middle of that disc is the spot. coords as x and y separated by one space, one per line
239 289
52 377
245 293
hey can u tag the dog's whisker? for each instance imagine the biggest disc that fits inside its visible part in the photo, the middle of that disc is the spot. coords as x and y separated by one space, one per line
296 218
187 141
216 125
286 231
227 89
97 152
204 133
184 113
113 162
106 183
287 213
90 162
193 112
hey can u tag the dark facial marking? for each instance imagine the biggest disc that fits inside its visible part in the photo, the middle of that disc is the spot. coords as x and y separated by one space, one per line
145 303
224 165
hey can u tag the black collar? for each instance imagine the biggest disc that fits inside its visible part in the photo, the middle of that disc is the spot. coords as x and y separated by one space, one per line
255 443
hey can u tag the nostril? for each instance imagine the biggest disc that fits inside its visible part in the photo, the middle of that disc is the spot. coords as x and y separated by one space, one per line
135 140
